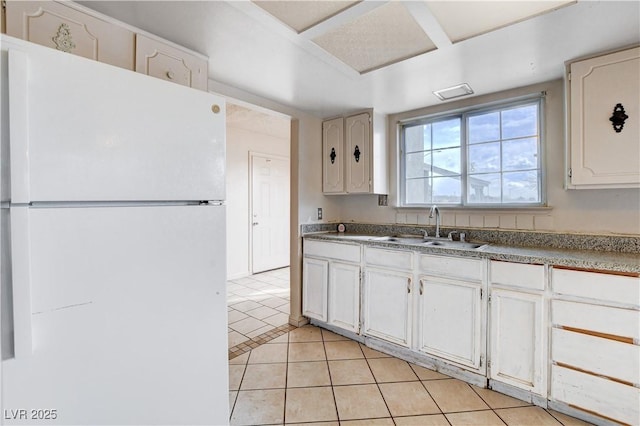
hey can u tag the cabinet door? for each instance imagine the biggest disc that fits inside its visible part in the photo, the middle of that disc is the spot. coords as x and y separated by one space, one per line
358 152
332 156
344 296
314 288
68 29
601 155
387 309
450 320
161 60
517 341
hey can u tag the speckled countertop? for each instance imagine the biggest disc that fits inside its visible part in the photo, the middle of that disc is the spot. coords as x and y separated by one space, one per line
616 261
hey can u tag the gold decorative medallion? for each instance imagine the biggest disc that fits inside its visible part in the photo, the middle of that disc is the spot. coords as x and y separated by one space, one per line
63 39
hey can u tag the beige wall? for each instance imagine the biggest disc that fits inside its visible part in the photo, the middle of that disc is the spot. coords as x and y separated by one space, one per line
256 132
606 211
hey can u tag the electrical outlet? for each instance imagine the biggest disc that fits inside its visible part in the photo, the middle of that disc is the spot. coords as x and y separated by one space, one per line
319 213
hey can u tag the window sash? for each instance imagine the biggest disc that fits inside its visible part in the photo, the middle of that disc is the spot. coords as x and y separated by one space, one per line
464 176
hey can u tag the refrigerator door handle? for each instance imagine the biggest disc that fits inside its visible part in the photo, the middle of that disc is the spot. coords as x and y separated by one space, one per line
19 125
21 282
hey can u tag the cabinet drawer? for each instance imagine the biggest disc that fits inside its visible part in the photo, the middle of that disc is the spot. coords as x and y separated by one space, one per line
596 355
395 259
624 323
600 286
451 267
517 275
598 395
339 251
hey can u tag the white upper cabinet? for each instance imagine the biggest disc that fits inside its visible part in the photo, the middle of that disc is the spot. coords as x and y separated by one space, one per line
69 29
357 137
161 60
354 155
604 121
333 160
75 29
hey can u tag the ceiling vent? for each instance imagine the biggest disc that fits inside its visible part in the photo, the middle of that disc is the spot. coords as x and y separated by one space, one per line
454 92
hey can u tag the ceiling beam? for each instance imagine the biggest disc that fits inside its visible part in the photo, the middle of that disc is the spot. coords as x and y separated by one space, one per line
339 19
430 25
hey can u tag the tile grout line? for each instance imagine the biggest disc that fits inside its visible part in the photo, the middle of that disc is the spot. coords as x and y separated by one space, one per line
286 381
326 358
375 379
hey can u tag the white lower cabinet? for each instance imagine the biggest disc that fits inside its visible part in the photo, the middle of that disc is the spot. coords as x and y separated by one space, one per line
315 274
595 354
451 320
331 284
517 330
451 310
517 340
387 307
344 296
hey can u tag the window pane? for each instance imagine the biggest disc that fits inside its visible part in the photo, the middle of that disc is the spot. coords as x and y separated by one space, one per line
418 164
446 162
520 122
418 191
446 190
484 128
520 154
484 158
484 188
520 187
446 133
417 138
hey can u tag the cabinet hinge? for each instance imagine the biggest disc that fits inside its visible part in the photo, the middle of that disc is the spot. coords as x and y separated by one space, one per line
4 4
481 358
570 173
569 76
481 294
488 363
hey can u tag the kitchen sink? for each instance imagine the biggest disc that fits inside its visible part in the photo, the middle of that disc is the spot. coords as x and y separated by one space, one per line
401 239
455 244
430 242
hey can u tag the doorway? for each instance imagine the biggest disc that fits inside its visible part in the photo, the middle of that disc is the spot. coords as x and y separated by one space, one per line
269 213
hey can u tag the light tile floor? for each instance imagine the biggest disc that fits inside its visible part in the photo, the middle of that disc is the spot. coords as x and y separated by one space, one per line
258 309
310 375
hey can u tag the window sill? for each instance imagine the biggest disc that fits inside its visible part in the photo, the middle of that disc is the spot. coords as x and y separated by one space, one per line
483 209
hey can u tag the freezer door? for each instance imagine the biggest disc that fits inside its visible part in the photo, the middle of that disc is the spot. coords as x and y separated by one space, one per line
81 130
128 317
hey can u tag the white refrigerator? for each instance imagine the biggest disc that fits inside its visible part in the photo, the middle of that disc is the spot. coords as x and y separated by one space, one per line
112 229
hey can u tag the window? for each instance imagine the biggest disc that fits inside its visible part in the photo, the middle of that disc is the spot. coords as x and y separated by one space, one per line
485 157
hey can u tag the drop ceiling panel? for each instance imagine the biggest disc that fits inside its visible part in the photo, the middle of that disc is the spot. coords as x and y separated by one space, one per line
303 14
386 35
464 19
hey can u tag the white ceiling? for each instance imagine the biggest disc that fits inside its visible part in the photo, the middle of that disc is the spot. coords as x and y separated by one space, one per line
251 50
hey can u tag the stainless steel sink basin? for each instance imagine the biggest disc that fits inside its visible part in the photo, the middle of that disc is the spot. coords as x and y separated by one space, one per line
401 239
430 242
454 244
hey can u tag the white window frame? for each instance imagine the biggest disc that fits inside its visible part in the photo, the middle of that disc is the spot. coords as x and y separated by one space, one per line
464 114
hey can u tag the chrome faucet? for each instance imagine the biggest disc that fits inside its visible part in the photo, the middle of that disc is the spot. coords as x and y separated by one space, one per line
435 209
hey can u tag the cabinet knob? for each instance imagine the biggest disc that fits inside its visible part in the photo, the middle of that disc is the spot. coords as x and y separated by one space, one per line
170 75
215 108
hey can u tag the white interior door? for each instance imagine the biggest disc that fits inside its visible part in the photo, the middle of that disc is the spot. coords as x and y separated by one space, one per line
269 212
